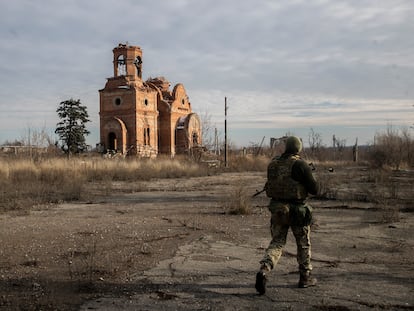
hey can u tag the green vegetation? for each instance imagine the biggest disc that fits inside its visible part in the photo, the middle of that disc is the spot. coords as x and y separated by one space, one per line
71 127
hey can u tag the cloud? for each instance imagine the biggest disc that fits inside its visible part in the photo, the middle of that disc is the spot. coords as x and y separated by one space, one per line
292 63
278 109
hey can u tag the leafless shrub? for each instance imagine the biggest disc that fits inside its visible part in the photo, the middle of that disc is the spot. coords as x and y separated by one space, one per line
238 202
327 183
393 148
390 209
378 158
208 137
327 190
384 193
82 259
315 140
38 137
376 176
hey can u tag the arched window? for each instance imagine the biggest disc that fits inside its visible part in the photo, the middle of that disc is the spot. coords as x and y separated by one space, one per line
138 65
147 140
195 139
117 101
121 65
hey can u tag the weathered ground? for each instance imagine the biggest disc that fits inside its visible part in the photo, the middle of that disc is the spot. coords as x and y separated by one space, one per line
175 248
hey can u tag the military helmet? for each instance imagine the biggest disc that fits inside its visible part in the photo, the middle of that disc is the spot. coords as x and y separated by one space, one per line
293 145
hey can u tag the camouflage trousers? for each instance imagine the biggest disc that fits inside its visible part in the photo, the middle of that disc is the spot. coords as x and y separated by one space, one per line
280 223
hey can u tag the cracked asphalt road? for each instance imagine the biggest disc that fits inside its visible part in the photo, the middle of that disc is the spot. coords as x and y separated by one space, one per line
174 247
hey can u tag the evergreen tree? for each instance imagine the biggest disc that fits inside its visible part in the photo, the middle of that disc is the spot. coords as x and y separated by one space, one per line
71 128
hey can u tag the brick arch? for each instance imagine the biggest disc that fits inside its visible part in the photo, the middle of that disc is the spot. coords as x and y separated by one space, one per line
178 91
187 133
193 125
180 98
115 134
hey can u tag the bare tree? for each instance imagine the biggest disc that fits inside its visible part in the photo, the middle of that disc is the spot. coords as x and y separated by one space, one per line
338 146
208 131
408 145
393 148
315 142
37 137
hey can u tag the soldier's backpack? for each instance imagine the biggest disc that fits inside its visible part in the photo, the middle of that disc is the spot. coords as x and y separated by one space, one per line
280 185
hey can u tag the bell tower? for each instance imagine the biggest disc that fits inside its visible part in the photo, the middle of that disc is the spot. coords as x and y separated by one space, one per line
128 107
128 61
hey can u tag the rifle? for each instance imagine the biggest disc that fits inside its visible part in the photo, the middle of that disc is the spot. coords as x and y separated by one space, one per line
259 192
312 166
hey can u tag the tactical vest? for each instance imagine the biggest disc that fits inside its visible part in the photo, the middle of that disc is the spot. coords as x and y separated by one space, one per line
280 184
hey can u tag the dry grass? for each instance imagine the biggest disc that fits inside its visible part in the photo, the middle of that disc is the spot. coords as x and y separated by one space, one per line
138 169
382 187
25 183
248 163
238 202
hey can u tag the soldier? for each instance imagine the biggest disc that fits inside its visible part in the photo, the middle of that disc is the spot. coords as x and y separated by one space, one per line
289 180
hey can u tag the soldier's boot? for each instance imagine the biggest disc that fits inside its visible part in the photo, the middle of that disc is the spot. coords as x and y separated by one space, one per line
261 282
306 280
261 279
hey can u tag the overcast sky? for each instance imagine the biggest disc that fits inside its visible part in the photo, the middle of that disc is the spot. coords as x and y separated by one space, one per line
338 67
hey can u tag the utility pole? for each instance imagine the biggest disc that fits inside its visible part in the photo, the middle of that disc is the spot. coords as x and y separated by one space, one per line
30 145
225 134
216 144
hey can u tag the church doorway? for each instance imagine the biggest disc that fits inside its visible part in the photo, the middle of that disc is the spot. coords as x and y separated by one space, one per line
112 143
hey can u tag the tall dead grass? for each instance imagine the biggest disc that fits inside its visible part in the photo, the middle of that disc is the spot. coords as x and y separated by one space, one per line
249 163
138 169
238 201
25 183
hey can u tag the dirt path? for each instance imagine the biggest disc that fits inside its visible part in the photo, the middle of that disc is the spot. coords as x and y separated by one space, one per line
359 267
175 248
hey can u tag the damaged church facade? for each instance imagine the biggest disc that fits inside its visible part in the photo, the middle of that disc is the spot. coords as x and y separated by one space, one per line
145 118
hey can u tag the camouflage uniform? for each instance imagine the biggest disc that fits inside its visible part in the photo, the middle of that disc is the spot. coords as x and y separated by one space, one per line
289 180
279 225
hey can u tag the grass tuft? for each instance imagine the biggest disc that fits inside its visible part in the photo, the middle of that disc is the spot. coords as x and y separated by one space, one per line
238 202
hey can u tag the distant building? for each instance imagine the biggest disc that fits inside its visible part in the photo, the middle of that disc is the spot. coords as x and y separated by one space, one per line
144 118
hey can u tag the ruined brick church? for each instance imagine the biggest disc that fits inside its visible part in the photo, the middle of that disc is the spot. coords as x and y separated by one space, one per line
144 118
